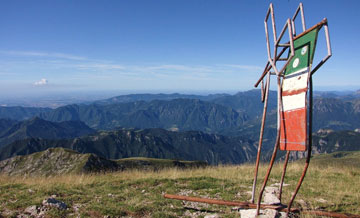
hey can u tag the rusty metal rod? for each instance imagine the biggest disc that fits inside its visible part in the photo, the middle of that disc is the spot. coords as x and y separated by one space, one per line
261 137
268 67
309 144
301 9
330 214
283 174
292 49
329 53
318 25
247 205
276 146
302 16
262 91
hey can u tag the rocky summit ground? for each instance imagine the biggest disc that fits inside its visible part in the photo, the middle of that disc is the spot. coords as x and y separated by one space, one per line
330 185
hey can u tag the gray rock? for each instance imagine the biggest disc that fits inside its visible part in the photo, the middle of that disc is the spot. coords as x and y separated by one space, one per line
270 198
267 213
52 202
212 216
32 210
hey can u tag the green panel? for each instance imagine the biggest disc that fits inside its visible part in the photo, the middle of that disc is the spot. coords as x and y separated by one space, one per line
304 52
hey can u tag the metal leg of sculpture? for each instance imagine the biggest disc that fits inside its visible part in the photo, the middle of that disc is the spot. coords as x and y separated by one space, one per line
276 146
283 174
309 147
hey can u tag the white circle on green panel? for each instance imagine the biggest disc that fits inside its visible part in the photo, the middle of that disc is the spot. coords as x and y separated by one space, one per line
304 50
296 63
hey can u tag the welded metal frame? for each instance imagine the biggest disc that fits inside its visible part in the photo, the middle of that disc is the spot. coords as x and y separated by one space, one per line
271 64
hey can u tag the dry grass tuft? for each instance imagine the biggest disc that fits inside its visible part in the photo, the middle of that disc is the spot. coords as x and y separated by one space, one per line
139 193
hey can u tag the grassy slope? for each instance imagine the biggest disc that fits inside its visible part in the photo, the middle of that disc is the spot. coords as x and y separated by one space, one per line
157 163
139 193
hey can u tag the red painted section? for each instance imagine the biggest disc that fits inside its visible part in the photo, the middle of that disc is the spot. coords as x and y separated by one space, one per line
293 130
293 92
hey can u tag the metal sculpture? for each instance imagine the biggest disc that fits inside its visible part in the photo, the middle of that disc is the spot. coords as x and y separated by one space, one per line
294 92
294 95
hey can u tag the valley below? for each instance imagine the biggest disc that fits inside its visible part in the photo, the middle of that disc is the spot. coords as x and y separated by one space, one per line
118 156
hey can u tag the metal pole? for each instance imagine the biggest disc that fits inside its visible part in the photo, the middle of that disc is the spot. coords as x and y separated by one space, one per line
261 137
275 147
309 144
283 174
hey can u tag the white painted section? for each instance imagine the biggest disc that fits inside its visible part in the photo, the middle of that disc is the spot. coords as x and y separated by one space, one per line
292 102
296 80
296 62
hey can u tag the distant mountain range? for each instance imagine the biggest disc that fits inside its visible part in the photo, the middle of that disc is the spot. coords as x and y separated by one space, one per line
21 113
217 128
180 114
155 143
11 130
151 97
220 113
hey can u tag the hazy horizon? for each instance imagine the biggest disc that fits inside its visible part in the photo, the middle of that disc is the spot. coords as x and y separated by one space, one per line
52 47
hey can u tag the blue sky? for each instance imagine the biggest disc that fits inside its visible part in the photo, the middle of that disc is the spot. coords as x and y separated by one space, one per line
173 45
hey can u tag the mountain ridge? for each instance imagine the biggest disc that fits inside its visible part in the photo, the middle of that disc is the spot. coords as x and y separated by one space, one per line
37 127
155 143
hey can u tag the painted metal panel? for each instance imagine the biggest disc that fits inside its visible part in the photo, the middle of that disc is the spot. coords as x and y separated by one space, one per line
293 117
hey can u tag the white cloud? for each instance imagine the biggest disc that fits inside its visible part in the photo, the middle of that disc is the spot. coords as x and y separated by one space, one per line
43 54
41 82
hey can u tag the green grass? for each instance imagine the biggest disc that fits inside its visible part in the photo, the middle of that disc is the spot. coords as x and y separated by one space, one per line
157 164
140 193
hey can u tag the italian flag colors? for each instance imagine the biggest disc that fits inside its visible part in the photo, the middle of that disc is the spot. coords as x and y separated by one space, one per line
293 114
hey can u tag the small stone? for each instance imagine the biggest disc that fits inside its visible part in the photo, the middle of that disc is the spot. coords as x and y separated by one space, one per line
52 202
143 191
271 189
76 207
212 216
251 213
271 213
278 184
267 213
321 200
270 198
32 210
235 209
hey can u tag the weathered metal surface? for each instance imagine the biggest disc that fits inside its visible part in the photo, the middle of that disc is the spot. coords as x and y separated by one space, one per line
283 174
261 137
271 64
294 129
245 205
293 115
276 147
309 144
